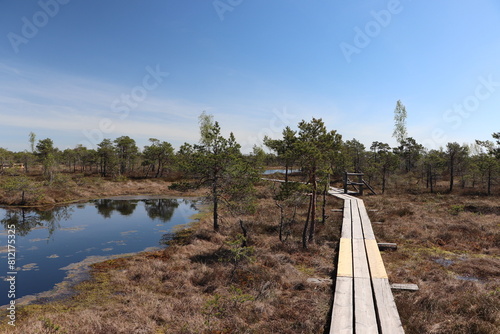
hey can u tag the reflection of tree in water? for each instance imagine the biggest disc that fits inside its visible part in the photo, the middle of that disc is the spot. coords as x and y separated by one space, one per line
126 208
105 207
24 220
51 218
167 237
163 209
27 219
190 202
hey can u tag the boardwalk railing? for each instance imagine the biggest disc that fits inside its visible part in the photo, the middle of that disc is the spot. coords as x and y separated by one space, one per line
363 301
357 185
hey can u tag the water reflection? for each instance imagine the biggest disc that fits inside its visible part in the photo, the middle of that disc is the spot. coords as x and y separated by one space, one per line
280 171
26 219
156 208
105 207
48 242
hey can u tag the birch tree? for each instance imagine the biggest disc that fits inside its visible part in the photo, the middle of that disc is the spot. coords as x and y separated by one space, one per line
400 132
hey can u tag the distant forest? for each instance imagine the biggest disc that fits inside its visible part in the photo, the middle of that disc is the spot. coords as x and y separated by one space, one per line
318 152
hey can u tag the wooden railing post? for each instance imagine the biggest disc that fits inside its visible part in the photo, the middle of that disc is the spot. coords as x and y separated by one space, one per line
345 182
360 181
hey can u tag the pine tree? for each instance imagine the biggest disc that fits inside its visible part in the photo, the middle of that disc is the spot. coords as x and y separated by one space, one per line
314 147
214 160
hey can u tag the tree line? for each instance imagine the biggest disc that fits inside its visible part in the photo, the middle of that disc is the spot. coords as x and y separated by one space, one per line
311 147
112 158
217 163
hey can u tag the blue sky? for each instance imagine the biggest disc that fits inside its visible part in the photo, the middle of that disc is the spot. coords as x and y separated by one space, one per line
78 71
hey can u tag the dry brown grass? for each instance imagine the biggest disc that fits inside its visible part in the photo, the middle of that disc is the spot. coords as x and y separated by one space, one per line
451 250
68 188
197 285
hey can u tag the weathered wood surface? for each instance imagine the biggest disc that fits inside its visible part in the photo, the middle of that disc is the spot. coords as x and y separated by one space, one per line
363 301
365 318
388 316
407 287
365 221
369 187
357 229
346 221
342 312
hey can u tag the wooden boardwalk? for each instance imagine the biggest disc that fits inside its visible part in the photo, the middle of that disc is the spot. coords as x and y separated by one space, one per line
363 301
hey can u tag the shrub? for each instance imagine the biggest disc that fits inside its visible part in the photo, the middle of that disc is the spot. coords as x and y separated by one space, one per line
456 209
182 186
401 212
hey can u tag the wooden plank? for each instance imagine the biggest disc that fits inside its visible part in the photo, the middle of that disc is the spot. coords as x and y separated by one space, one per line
352 183
365 221
342 311
357 230
359 259
346 221
365 319
336 192
339 193
377 269
407 287
344 266
342 196
389 320
348 197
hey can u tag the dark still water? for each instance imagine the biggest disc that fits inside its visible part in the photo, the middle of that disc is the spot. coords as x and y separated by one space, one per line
280 171
51 244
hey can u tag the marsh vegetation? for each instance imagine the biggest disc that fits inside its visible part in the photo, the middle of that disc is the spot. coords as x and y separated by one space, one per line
262 257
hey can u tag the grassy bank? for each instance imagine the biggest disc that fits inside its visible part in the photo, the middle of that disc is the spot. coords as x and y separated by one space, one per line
207 282
67 188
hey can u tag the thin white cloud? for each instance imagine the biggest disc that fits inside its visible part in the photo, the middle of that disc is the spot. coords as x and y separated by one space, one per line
42 122
8 69
75 106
